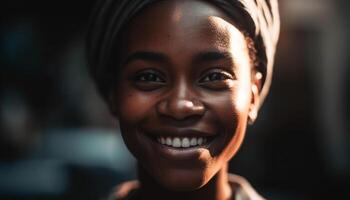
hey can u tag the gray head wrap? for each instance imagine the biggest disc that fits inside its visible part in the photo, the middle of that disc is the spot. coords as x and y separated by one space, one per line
259 18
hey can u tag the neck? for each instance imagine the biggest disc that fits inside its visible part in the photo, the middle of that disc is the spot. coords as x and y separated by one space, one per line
217 188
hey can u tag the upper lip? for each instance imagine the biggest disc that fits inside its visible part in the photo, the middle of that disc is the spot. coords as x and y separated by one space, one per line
179 132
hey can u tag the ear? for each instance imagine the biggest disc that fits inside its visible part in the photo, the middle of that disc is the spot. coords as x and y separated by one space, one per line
255 97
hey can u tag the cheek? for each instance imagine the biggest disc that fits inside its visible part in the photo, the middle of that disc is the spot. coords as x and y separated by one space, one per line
233 105
232 116
133 109
240 107
133 106
242 97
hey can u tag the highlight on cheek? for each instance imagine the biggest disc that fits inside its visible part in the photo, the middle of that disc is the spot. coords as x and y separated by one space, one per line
244 92
242 99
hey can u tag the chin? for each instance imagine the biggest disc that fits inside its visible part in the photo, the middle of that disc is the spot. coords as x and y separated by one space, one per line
183 180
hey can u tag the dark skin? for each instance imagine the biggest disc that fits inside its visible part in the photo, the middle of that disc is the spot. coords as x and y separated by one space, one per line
185 72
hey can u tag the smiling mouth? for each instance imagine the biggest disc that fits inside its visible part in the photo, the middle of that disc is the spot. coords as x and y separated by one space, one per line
183 142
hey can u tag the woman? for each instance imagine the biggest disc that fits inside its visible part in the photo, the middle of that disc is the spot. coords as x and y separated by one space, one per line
184 78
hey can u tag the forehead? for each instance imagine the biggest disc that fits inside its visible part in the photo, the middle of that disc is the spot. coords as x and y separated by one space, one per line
178 26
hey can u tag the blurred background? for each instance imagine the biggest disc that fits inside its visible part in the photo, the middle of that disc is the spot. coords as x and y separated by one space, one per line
58 140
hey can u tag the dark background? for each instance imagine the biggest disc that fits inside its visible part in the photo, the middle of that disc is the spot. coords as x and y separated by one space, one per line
58 140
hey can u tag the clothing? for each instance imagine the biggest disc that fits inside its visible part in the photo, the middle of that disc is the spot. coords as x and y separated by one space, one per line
258 18
243 190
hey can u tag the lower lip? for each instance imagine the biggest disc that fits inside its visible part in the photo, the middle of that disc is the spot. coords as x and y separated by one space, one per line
180 153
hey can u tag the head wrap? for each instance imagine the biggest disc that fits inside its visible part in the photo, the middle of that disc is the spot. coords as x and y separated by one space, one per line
259 18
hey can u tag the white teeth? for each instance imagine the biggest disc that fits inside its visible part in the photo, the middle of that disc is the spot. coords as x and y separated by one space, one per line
176 142
200 141
184 142
162 140
168 141
193 141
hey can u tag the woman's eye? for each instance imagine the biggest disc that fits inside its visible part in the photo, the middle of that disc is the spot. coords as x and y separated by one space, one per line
148 80
217 80
216 76
149 77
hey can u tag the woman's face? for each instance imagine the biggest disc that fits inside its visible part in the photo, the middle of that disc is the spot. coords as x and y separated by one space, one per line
184 91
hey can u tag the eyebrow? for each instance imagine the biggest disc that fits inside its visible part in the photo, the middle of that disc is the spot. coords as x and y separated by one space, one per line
206 56
147 56
212 56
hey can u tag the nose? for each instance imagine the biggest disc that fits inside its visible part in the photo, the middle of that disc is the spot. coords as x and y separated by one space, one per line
181 103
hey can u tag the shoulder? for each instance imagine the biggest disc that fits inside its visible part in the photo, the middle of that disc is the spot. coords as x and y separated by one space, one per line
244 190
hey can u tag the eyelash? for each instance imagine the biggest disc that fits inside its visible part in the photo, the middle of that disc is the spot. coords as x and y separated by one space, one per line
151 75
213 79
222 76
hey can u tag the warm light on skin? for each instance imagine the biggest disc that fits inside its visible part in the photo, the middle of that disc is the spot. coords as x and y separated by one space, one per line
241 56
175 34
178 12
